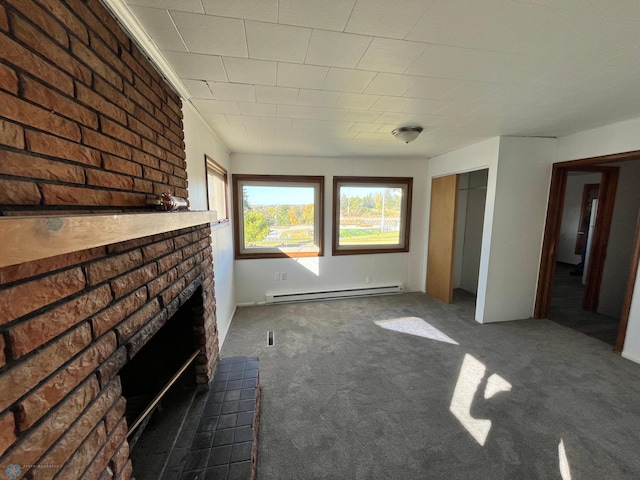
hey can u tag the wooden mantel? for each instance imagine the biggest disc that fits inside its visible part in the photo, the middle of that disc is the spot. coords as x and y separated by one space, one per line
24 239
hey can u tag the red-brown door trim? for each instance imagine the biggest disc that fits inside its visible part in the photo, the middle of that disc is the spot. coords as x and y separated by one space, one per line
550 242
552 234
600 241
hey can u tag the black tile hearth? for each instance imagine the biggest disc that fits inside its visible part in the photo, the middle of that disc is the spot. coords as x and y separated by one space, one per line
216 440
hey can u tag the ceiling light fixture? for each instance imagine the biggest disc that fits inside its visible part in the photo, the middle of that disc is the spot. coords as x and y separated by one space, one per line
407 134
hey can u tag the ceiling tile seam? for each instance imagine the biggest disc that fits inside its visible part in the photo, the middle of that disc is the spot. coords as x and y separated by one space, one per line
460 79
152 7
243 83
209 88
173 22
246 40
320 29
402 95
306 50
353 7
574 11
292 63
347 91
278 76
418 20
324 90
324 78
297 95
489 50
366 70
330 30
224 69
368 83
271 103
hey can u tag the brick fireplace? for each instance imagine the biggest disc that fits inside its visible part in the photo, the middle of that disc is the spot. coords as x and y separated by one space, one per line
87 126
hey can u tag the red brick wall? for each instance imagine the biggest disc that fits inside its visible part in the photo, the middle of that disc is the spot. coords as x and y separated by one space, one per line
67 332
87 125
83 113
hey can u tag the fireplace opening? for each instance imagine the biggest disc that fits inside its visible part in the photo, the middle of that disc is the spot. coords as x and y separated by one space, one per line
159 384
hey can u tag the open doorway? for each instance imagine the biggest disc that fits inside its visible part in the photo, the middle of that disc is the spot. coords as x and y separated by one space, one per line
579 221
472 196
611 248
455 235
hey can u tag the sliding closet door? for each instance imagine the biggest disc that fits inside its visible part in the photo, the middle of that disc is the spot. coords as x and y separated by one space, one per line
442 236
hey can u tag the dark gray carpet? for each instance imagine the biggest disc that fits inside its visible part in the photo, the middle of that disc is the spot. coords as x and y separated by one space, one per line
346 399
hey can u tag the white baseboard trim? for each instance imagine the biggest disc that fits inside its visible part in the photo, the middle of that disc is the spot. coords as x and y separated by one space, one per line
632 358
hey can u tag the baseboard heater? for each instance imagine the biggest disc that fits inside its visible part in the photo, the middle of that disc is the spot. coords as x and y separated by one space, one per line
330 294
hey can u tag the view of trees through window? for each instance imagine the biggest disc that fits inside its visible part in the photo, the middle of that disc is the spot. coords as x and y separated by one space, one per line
280 216
369 215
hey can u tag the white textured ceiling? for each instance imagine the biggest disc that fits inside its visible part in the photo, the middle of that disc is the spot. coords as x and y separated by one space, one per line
334 77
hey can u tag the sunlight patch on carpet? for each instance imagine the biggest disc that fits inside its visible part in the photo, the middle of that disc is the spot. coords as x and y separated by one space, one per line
565 470
416 326
469 384
473 388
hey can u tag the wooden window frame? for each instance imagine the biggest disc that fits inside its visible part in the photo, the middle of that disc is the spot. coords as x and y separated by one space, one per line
238 180
406 183
210 165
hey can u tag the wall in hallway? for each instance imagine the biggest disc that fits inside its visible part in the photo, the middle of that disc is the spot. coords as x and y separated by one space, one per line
571 215
623 226
461 222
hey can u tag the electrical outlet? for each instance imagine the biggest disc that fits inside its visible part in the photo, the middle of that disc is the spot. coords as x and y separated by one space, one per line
283 276
367 279
276 276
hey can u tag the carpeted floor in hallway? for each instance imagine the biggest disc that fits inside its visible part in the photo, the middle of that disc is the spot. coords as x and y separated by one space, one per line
344 398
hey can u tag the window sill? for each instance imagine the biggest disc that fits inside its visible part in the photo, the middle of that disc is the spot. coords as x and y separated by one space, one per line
218 224
368 251
258 255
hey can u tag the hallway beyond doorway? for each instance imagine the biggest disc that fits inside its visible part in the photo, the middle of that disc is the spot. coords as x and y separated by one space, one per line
566 307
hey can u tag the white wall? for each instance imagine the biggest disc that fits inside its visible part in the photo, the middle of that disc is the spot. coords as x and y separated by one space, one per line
632 342
521 196
254 278
620 248
201 140
616 138
571 215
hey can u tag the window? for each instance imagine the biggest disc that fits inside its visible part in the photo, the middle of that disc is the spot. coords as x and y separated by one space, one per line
217 189
371 214
278 216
